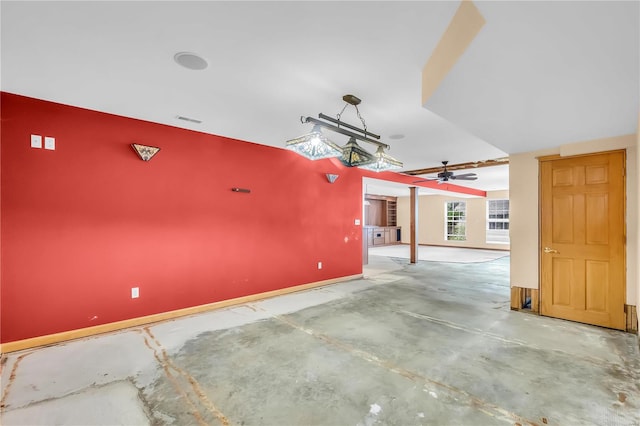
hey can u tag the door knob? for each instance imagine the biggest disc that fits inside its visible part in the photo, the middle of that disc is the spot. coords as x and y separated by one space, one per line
550 250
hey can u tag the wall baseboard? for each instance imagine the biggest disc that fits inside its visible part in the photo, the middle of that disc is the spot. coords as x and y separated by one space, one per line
507 248
519 296
51 339
631 314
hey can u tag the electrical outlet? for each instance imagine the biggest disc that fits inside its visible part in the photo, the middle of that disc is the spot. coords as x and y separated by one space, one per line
319 265
357 221
135 292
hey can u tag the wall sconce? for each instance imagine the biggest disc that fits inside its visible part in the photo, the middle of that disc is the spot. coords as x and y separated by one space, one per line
316 146
145 152
332 178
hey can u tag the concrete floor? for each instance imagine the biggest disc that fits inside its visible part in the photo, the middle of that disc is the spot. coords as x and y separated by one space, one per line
439 253
432 343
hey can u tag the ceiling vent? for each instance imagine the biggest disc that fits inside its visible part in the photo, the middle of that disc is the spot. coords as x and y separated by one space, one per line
191 120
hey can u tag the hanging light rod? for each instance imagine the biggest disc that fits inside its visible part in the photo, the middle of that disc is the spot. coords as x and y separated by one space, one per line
348 126
340 130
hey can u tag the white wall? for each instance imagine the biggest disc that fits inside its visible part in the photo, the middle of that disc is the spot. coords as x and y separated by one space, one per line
523 186
431 222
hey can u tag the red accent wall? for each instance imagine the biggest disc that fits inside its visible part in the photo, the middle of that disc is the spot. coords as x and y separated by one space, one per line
83 224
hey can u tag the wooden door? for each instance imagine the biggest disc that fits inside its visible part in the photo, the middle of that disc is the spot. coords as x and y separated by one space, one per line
582 241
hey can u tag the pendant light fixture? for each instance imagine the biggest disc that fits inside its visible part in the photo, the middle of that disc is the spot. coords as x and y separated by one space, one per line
382 162
316 145
353 155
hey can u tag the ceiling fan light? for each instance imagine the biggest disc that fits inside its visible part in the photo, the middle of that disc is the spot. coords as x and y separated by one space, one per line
314 145
383 162
353 155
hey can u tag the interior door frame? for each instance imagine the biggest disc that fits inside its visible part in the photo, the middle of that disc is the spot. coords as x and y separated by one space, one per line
540 216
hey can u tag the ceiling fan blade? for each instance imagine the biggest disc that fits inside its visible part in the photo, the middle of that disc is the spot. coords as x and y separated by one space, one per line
425 180
464 177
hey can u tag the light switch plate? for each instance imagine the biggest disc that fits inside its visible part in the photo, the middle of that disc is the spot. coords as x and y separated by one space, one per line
36 141
135 292
49 143
357 222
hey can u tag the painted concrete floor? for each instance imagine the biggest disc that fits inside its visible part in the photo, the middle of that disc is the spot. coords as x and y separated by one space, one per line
426 344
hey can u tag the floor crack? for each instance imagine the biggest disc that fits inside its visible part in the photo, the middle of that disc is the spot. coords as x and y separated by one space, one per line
167 364
471 400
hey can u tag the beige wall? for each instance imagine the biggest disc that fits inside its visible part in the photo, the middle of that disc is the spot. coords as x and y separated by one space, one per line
431 222
523 187
523 218
633 221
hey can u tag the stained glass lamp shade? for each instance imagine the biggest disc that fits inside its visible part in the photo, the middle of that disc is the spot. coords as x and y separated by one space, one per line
383 162
314 145
354 156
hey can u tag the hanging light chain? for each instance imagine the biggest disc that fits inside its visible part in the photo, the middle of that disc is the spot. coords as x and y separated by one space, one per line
340 113
364 125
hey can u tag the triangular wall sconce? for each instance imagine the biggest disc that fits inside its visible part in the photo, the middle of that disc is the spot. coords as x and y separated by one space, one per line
332 178
145 152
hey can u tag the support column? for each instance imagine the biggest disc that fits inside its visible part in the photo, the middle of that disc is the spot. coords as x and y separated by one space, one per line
413 227
365 246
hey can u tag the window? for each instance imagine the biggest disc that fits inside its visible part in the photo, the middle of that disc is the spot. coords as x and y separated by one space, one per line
498 221
456 221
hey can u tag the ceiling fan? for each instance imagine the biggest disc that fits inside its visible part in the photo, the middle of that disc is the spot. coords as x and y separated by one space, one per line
446 176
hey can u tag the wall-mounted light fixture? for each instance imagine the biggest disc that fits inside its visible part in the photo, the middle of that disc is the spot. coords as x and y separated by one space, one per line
332 178
316 145
145 152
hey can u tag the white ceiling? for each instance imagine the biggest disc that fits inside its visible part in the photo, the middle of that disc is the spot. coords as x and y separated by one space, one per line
545 73
539 74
